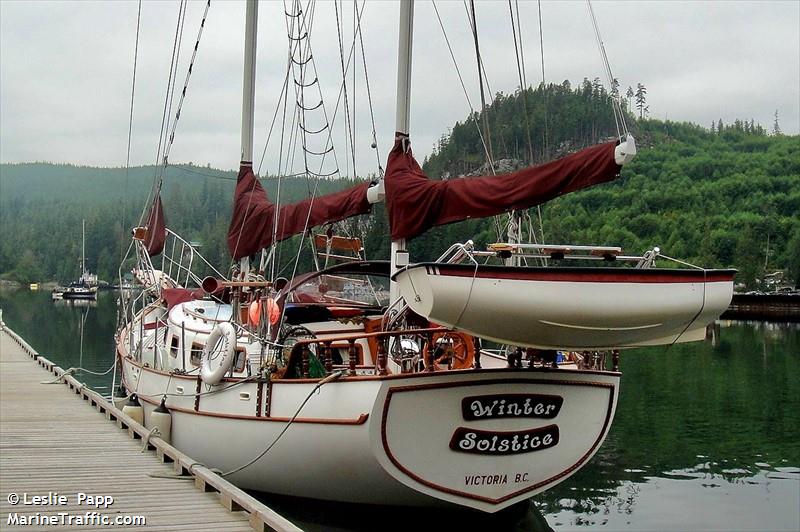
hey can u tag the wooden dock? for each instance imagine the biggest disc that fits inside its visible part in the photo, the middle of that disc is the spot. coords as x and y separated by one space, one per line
764 307
52 442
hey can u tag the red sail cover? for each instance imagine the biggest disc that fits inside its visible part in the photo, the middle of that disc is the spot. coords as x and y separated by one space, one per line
416 203
251 227
156 228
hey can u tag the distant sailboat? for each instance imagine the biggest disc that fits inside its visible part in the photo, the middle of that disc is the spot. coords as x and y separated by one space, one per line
86 285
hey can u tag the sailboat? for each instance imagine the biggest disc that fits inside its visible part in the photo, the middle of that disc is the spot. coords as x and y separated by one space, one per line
86 285
294 386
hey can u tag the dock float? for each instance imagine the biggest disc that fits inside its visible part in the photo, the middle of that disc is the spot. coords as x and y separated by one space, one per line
67 464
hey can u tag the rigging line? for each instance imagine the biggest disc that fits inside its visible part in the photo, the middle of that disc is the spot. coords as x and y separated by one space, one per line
300 87
163 118
544 83
619 117
339 96
314 132
546 107
355 88
275 255
204 174
463 85
541 35
329 140
130 131
369 99
186 83
484 110
289 69
329 378
522 86
517 29
303 63
309 108
521 45
281 96
481 63
290 28
299 72
347 126
174 84
341 87
545 96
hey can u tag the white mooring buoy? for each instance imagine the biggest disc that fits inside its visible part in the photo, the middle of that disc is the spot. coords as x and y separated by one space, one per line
162 420
134 409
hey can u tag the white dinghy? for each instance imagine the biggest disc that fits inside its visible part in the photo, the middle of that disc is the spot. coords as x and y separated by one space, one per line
569 308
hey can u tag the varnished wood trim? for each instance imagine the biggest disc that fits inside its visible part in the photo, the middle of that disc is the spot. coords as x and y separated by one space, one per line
259 398
437 373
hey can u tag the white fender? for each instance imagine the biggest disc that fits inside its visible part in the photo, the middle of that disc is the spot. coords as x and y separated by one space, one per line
218 353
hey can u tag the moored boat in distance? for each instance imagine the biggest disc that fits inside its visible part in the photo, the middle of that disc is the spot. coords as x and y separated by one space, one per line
86 285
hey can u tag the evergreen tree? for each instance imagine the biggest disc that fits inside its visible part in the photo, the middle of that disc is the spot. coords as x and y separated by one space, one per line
629 96
794 258
614 89
641 99
747 257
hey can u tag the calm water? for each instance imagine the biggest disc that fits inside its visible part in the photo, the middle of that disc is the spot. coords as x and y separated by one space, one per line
705 437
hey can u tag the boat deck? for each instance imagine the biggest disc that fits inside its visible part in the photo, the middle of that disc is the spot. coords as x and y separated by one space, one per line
53 445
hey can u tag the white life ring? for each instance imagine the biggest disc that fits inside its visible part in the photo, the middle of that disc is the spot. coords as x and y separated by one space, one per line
218 353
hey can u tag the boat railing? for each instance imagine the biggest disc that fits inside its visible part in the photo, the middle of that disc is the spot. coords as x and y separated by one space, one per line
586 359
178 258
505 250
420 345
301 351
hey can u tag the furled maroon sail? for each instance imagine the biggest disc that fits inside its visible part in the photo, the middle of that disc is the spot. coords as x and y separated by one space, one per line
156 228
252 228
252 217
416 203
312 212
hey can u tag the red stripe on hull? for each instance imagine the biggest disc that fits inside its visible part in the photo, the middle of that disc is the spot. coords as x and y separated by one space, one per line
586 275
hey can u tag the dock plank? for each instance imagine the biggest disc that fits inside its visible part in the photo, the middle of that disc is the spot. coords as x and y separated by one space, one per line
53 441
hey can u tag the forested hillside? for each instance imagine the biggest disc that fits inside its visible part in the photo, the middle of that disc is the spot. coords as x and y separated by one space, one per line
726 196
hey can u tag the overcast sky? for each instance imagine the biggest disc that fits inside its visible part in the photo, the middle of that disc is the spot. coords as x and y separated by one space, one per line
65 71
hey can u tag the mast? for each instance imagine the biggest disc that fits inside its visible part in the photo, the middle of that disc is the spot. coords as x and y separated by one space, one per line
83 249
249 93
403 116
248 88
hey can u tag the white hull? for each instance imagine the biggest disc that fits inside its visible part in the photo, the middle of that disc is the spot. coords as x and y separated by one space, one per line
569 308
390 440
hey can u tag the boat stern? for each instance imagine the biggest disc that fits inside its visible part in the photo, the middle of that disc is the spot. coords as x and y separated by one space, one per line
490 438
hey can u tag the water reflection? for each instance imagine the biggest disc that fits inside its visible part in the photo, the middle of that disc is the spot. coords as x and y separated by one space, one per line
83 303
706 435
701 432
314 515
71 333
